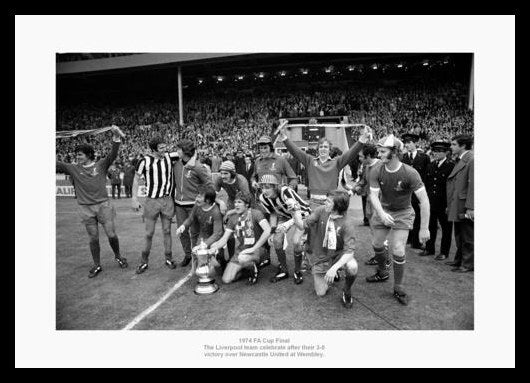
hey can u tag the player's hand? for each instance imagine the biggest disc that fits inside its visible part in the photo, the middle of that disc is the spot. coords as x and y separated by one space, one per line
471 214
222 207
282 132
292 204
281 229
366 135
180 230
213 250
387 219
255 185
330 275
248 251
117 131
135 204
357 190
424 235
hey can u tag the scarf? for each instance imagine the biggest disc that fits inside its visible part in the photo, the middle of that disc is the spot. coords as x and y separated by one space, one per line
330 239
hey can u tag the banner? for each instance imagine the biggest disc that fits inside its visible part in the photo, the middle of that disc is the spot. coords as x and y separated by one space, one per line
75 133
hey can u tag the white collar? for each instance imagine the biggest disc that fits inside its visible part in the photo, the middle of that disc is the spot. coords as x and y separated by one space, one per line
89 165
210 208
393 171
376 160
463 154
328 158
442 161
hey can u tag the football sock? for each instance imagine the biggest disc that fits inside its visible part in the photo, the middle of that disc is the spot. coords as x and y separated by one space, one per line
282 258
348 283
115 245
298 260
381 257
95 250
145 256
399 271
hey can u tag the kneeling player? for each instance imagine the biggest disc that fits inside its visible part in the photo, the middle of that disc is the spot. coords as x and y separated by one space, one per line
278 202
333 244
207 216
251 230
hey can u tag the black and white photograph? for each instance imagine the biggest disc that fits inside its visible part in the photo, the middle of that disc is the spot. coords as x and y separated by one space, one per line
265 197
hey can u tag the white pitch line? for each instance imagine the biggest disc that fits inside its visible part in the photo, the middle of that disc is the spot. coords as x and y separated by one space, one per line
143 315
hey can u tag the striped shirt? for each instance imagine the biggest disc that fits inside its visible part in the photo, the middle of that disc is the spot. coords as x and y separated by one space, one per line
278 205
158 173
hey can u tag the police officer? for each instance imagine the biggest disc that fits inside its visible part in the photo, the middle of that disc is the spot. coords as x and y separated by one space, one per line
435 183
419 161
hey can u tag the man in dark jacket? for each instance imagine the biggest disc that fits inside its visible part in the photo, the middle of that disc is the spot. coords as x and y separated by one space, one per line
188 174
419 161
115 180
460 203
128 178
435 183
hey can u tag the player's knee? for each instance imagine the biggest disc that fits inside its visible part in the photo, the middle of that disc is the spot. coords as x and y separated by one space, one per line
398 249
352 267
166 231
244 258
278 241
299 247
378 243
321 291
398 258
227 279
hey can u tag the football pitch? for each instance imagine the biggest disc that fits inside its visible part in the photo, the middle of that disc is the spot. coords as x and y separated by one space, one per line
163 299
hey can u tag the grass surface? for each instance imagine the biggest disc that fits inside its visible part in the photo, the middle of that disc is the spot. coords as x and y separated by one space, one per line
440 299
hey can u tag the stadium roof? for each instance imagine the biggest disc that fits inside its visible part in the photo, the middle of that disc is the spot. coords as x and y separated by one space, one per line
204 63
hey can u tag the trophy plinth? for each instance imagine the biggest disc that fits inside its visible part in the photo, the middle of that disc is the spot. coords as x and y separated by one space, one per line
206 284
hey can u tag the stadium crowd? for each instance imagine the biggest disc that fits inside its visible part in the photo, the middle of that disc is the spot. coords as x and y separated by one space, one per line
230 120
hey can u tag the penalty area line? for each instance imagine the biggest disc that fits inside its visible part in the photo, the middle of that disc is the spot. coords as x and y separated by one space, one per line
151 309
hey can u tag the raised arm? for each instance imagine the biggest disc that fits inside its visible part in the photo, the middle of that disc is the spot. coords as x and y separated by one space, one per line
62 167
347 157
297 153
116 141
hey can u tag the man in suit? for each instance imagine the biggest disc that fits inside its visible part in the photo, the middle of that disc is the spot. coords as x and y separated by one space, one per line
460 203
419 161
249 168
435 183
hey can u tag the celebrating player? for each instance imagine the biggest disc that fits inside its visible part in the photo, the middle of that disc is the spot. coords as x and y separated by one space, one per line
395 182
323 171
90 182
207 216
232 183
333 243
251 231
278 201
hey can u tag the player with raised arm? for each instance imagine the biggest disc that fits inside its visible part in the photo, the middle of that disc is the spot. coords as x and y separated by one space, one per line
391 186
90 182
156 169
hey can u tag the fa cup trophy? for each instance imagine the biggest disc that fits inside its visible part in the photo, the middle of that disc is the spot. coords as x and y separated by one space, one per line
206 284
